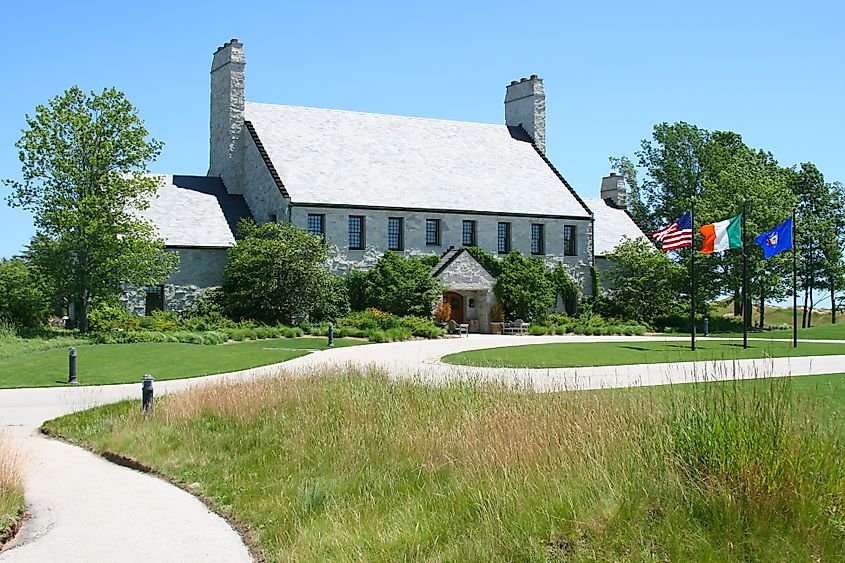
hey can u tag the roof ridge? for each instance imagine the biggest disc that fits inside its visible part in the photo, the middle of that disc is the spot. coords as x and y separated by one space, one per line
372 113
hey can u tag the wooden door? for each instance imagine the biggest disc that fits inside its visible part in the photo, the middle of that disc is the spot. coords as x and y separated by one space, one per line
456 301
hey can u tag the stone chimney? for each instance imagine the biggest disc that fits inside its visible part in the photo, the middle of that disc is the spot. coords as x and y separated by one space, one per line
227 114
525 104
613 191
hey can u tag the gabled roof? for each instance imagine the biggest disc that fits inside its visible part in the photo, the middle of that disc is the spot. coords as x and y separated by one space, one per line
445 260
195 211
459 270
611 226
335 157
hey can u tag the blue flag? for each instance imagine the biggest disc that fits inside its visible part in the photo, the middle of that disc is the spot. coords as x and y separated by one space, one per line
777 240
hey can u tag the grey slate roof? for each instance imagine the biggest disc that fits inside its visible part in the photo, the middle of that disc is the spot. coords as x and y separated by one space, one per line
336 157
611 226
195 211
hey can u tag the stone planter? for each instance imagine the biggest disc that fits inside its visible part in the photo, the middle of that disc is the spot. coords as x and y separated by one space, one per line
496 327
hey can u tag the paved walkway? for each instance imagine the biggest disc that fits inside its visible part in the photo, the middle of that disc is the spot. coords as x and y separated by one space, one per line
86 509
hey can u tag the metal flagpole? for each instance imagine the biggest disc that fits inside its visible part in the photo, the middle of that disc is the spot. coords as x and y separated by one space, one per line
744 283
692 273
794 285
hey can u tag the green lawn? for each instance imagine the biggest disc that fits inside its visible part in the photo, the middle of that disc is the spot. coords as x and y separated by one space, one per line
821 332
350 467
99 364
583 354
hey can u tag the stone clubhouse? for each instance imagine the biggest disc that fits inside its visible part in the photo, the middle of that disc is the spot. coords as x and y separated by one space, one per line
371 182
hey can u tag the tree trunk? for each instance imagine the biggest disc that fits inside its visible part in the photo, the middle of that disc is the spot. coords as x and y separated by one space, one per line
762 305
804 309
737 303
832 305
810 309
83 311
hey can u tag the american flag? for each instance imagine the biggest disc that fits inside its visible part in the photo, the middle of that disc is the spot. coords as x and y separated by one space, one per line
677 235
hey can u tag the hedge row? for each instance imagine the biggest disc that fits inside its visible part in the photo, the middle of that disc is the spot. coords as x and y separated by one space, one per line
606 330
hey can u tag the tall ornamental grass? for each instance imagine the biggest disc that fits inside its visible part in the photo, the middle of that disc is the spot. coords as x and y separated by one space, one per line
349 465
11 485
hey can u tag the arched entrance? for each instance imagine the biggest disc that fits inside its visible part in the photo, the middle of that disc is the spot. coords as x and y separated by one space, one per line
456 302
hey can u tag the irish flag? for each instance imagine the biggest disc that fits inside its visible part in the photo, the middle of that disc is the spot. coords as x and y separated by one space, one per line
722 235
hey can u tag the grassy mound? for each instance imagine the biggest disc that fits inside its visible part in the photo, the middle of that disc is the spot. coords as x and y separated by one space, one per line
350 466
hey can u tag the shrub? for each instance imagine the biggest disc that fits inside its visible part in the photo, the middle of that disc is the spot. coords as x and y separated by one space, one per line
24 297
524 287
644 283
378 336
401 286
213 320
332 300
398 334
364 323
565 287
273 273
539 330
421 327
497 313
112 315
442 312
165 321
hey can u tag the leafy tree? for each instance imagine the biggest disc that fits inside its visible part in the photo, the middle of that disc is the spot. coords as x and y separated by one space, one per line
84 163
820 221
333 301
402 286
24 297
674 161
722 173
644 283
743 178
635 204
273 274
524 287
356 288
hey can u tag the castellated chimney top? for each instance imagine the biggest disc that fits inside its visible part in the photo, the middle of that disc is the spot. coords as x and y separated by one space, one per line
613 191
231 52
525 105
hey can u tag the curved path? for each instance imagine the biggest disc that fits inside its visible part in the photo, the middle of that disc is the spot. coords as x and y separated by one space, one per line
86 509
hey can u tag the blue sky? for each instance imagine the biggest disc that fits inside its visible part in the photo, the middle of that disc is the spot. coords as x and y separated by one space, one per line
771 71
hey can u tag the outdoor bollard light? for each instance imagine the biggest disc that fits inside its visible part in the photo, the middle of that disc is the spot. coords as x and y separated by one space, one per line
331 335
71 374
706 326
147 394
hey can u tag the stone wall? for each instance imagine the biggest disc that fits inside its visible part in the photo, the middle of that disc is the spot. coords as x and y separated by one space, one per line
262 196
343 259
200 269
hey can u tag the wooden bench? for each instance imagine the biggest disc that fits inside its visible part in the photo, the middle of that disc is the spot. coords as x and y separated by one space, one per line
458 328
517 327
